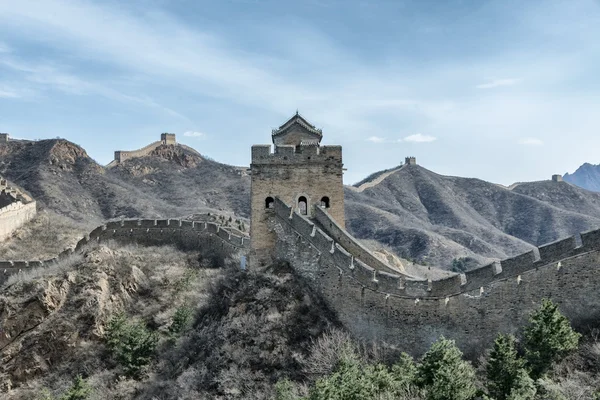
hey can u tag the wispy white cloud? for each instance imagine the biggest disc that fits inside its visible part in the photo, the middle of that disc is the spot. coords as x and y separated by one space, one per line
418 138
7 93
376 139
195 134
498 83
531 141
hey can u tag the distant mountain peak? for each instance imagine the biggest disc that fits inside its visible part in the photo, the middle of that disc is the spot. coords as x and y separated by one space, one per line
587 176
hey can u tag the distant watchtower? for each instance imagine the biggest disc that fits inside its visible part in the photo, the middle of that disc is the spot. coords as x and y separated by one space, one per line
4 137
168 138
301 172
410 161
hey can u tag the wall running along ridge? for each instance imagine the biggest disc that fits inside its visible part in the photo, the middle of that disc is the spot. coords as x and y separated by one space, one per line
19 210
120 155
471 309
187 234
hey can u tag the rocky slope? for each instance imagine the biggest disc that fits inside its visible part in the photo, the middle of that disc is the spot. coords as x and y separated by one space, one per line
587 176
244 331
435 218
172 181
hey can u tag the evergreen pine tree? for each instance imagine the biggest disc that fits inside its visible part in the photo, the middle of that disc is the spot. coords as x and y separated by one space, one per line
444 373
548 337
504 366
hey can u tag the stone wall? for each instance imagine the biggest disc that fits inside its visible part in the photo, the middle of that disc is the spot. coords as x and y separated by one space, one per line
165 139
353 246
16 209
14 216
185 234
290 172
472 309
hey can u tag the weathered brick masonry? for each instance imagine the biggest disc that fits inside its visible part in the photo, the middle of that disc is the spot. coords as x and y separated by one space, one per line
472 309
187 234
300 172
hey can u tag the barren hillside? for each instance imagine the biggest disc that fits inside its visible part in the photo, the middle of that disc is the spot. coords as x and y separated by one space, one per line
410 211
171 182
436 218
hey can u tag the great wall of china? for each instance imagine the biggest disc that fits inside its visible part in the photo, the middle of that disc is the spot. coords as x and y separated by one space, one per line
374 300
183 233
16 209
471 308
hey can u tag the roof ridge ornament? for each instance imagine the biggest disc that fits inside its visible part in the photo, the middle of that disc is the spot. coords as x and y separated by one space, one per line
297 119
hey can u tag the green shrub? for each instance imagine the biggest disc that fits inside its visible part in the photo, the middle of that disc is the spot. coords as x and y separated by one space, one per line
404 372
504 367
444 374
347 382
80 390
285 390
523 387
132 344
548 337
181 321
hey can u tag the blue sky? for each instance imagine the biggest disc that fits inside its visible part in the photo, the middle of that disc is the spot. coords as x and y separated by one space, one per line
500 90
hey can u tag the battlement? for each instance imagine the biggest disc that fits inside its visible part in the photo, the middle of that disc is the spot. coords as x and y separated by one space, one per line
354 259
410 161
413 312
4 137
308 152
185 234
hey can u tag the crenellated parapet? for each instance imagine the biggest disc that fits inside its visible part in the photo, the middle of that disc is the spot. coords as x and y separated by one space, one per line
291 154
353 259
183 233
471 308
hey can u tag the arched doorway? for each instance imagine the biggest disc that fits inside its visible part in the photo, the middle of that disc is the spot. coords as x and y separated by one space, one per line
303 205
269 203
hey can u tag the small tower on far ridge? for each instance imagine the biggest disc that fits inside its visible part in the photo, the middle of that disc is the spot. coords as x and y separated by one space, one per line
301 172
4 137
557 178
410 160
168 138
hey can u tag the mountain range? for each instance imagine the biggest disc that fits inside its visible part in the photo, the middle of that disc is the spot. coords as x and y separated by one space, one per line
407 210
587 176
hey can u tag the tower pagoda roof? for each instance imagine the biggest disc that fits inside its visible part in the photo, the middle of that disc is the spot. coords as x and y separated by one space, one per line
297 120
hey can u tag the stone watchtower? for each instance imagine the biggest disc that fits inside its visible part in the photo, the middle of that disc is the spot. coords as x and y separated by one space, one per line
301 172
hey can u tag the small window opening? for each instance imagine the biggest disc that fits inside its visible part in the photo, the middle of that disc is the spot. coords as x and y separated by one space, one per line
303 205
269 203
325 202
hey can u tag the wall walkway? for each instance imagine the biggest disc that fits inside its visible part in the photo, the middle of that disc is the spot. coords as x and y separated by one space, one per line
187 234
472 309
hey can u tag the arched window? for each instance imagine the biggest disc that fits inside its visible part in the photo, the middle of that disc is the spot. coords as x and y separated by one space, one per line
269 203
303 205
325 202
